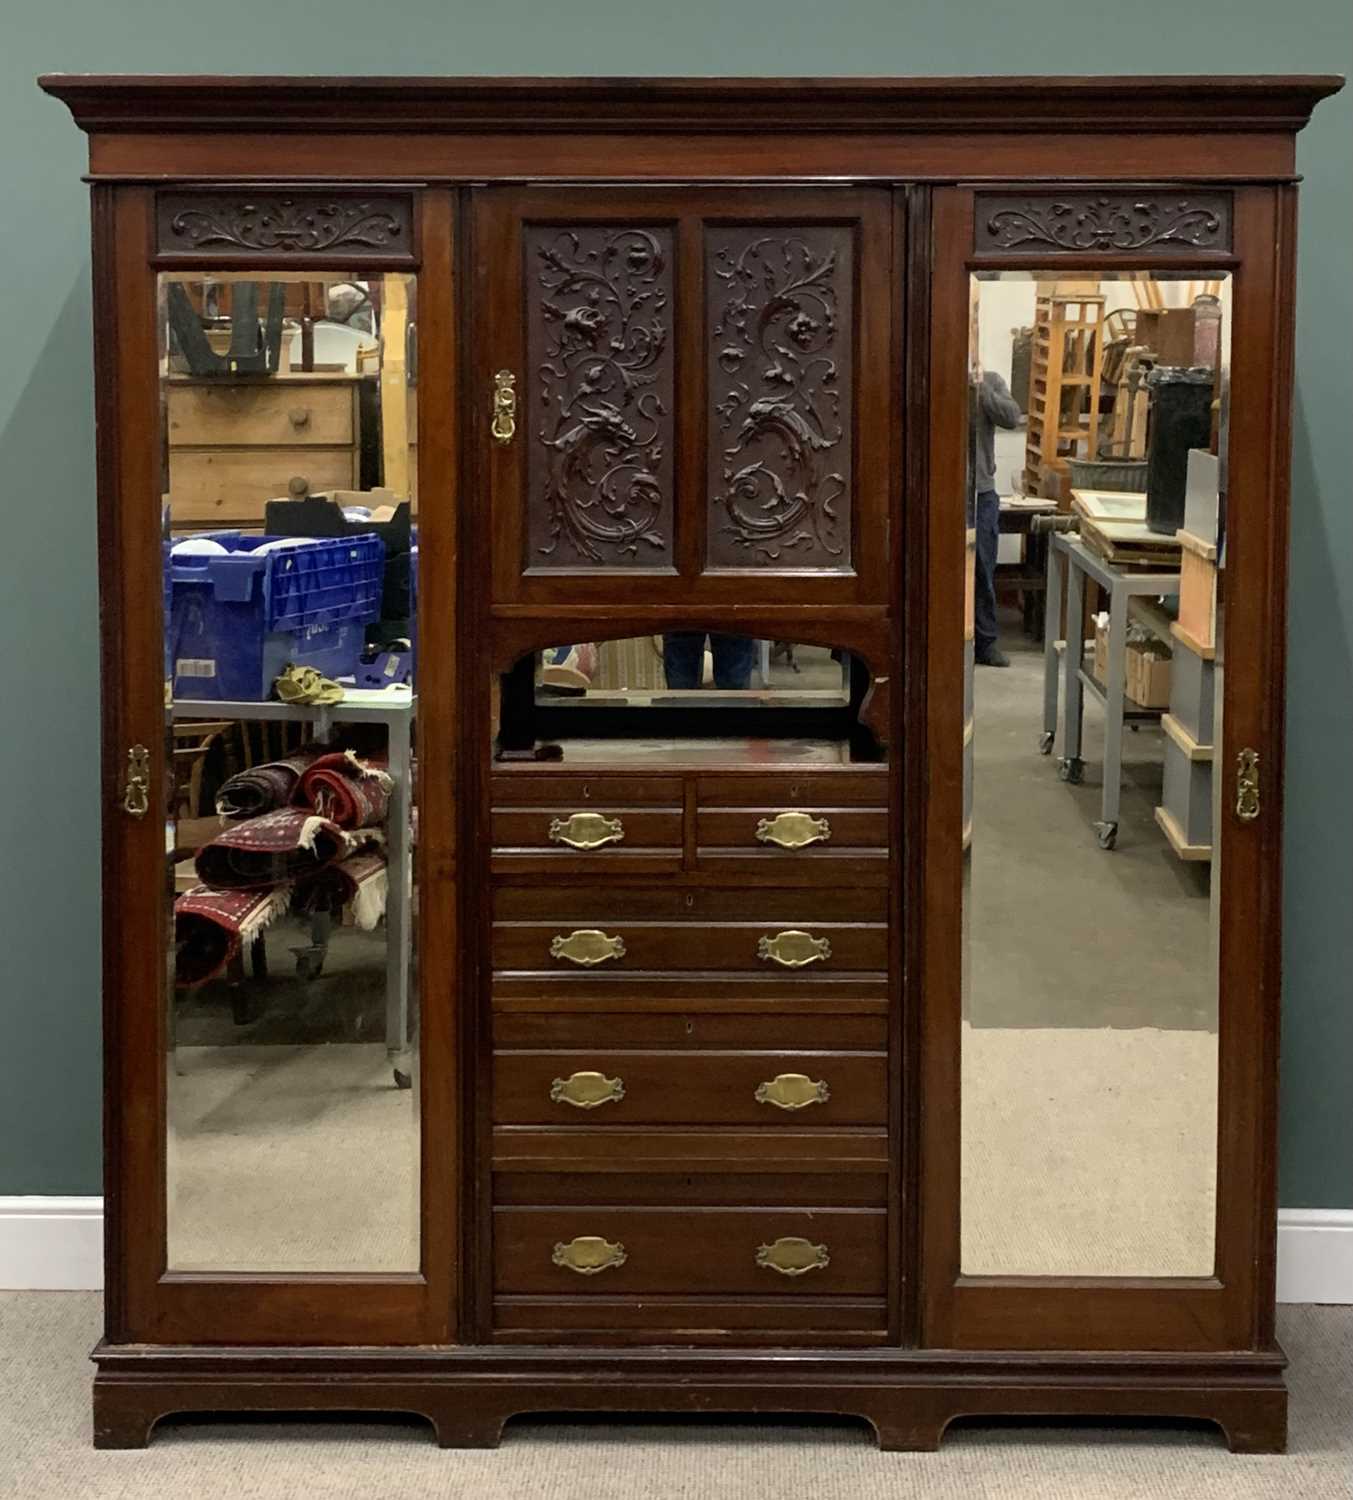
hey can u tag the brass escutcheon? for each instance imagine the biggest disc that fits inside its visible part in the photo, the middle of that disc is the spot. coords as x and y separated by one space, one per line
793 830
794 949
792 1091
504 423
587 1254
587 946
136 791
586 830
792 1256
1247 785
587 1090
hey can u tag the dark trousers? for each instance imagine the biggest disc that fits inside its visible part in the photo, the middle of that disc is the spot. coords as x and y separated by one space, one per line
988 523
683 655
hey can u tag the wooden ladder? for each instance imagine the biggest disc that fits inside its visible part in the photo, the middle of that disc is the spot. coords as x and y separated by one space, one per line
1064 378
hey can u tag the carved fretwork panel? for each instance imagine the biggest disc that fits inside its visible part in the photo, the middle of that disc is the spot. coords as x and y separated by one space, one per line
226 225
598 419
780 333
1158 222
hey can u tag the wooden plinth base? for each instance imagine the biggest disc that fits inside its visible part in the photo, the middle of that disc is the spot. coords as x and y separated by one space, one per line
909 1397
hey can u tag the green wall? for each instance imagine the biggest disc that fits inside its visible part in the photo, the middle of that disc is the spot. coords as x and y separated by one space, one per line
49 909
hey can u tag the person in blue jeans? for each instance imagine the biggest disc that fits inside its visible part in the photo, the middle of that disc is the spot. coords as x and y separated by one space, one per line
994 407
683 655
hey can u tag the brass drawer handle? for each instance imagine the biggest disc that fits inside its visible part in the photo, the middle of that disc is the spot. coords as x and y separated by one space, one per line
792 1091
792 1256
136 790
587 946
1247 785
587 1090
586 830
794 949
504 423
793 830
588 1254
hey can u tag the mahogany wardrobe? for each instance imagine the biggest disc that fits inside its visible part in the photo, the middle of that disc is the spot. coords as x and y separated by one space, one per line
683 972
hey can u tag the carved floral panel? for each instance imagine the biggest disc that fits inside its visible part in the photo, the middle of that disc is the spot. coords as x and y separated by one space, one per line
362 227
1160 222
780 329
598 414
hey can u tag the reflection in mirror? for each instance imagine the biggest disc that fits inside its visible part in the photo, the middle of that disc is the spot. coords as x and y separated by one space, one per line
1096 528
290 584
691 694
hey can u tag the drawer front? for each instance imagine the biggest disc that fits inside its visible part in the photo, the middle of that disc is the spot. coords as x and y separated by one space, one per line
208 489
796 833
692 1251
662 1032
626 947
593 903
584 792
689 1088
280 414
851 786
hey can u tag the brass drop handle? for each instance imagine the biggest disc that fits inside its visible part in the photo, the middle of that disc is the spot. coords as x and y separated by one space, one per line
791 1255
587 1254
793 830
1247 785
586 830
504 423
587 1090
136 791
299 416
587 946
793 949
792 1091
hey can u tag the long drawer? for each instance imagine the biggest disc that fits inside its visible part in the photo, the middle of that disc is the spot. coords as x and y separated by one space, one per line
690 1087
629 947
209 488
691 1251
278 413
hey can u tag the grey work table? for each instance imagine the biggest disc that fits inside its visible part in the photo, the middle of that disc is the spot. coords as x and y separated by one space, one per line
395 708
1070 563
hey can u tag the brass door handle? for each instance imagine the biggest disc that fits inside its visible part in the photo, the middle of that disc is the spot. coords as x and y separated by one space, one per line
504 423
587 946
587 1090
791 1255
587 1254
793 830
792 1091
794 949
586 830
136 790
1247 785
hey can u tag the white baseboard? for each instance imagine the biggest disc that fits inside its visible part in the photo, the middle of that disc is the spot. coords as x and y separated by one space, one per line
51 1244
56 1245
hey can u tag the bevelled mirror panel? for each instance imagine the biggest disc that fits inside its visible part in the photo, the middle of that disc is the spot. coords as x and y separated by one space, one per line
1093 661
290 558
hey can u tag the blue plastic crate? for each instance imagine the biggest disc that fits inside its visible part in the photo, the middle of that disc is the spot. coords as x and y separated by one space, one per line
238 619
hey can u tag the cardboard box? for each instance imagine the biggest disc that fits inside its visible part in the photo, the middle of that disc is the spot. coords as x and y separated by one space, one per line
1146 668
1148 674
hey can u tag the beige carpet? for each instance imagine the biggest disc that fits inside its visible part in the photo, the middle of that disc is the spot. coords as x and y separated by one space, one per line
1089 1152
45 1452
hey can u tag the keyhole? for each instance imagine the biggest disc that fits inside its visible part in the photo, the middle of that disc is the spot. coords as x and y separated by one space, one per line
690 1028
793 794
690 898
587 791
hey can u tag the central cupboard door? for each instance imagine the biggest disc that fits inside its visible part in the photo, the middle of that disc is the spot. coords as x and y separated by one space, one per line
685 393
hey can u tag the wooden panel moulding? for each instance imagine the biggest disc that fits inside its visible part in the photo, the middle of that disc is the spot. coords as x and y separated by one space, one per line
1153 221
228 226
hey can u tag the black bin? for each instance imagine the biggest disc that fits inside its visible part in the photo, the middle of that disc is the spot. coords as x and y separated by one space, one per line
1181 418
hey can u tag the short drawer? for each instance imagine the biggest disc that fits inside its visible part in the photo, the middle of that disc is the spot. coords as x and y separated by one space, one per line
625 946
689 1087
207 489
583 792
280 413
795 832
690 1251
851 786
